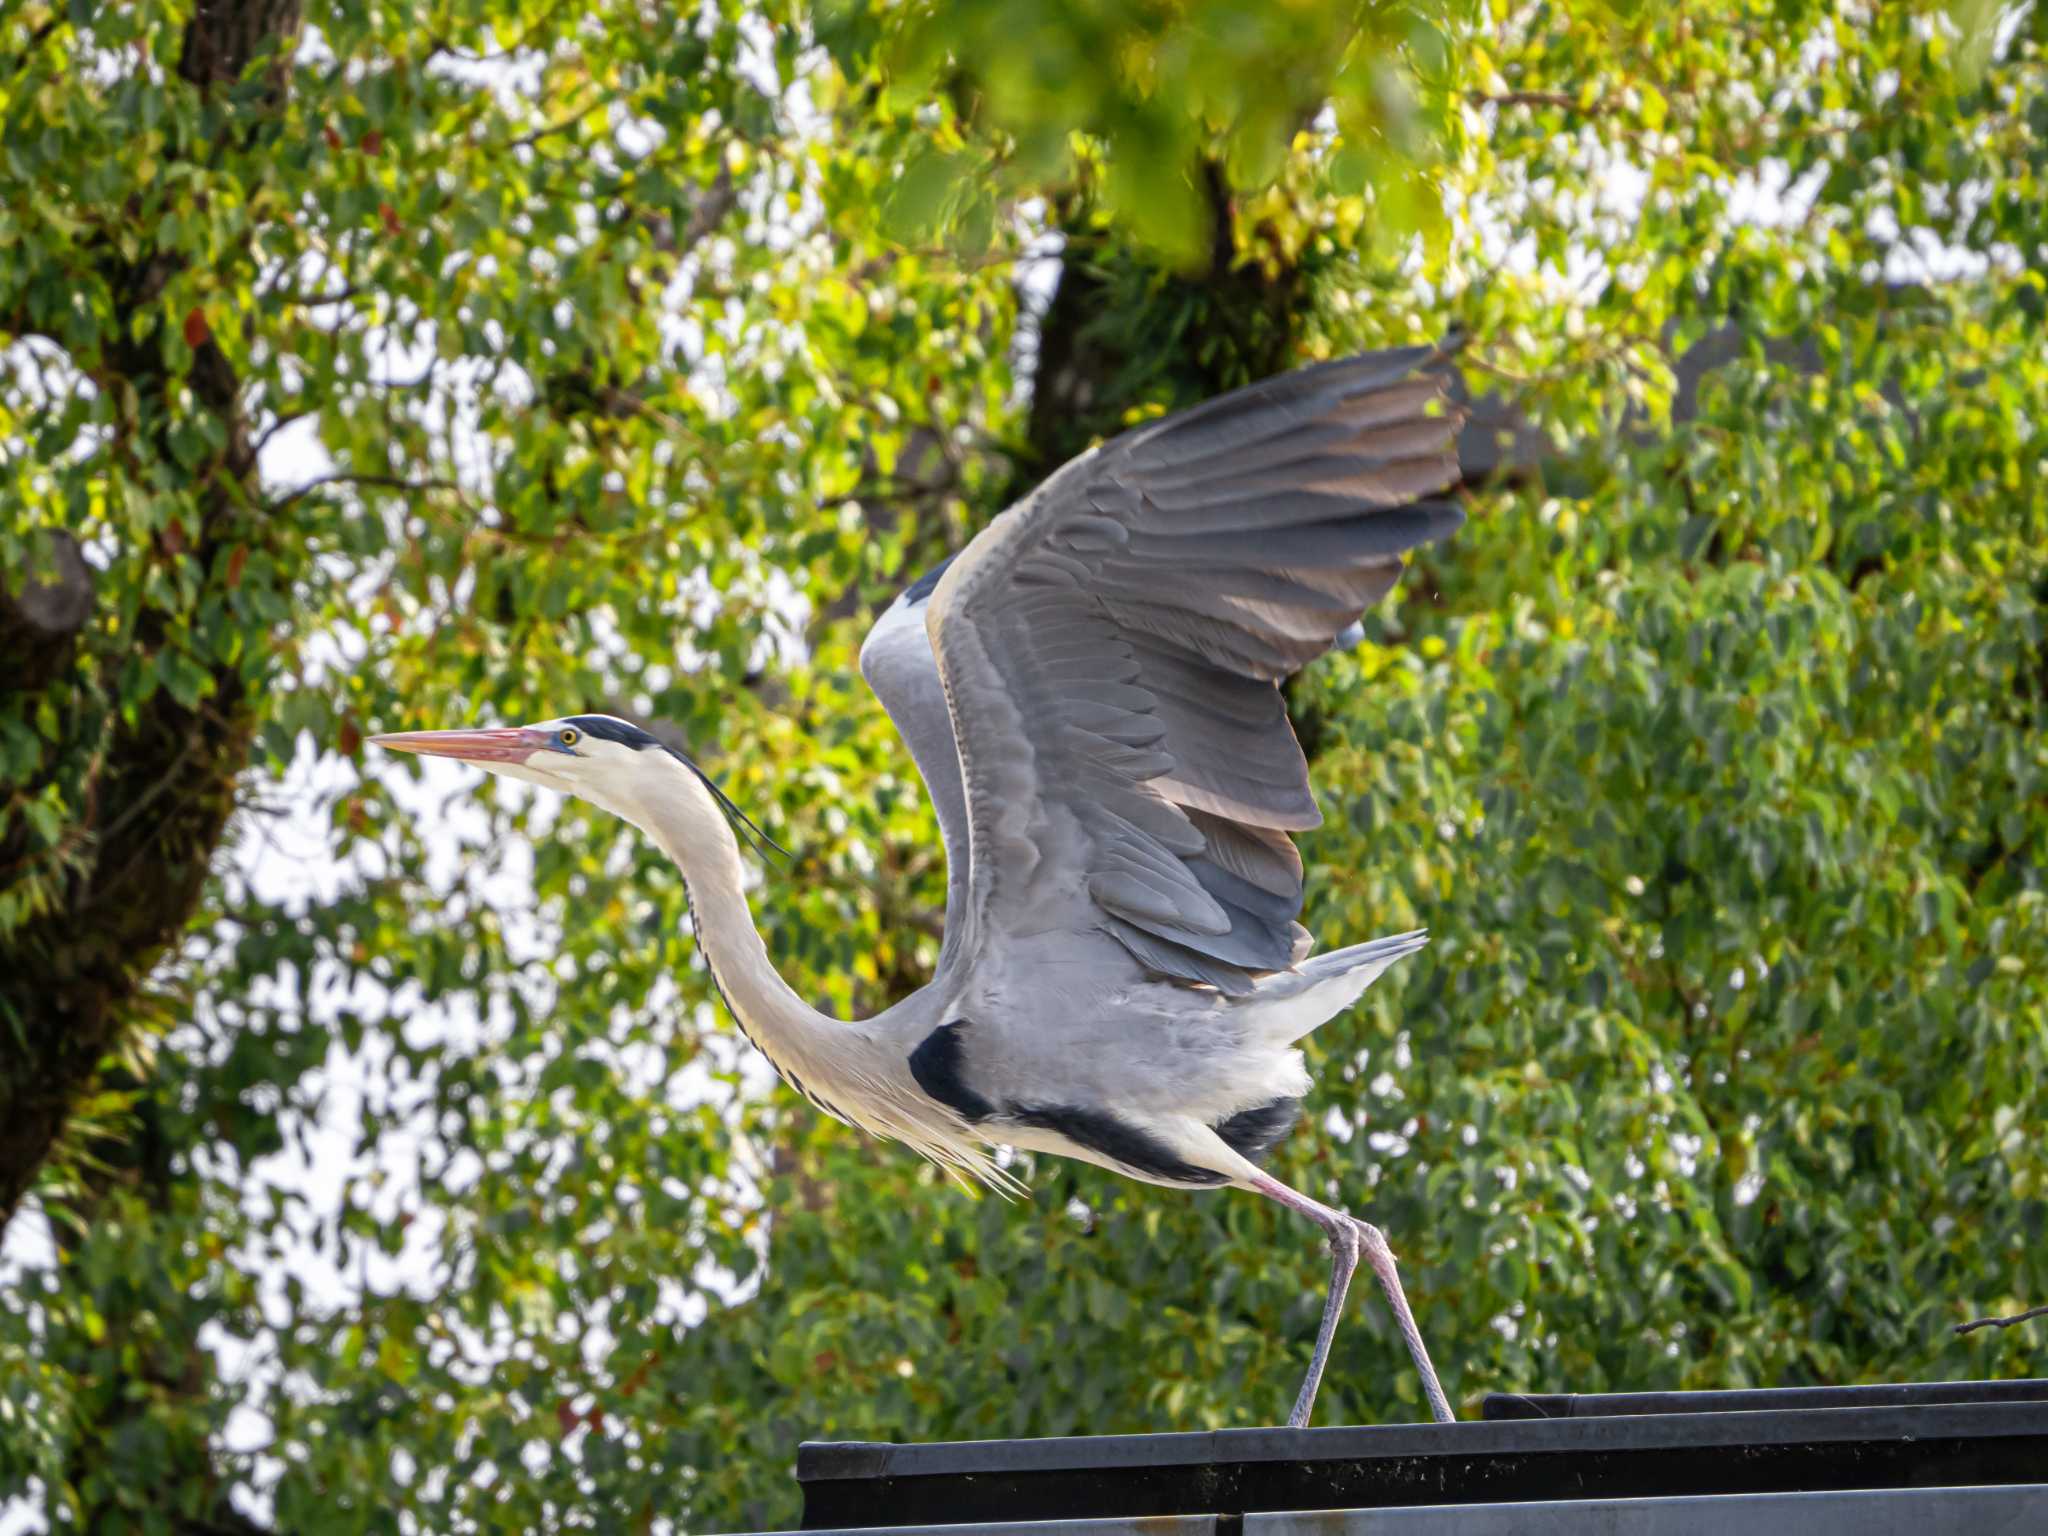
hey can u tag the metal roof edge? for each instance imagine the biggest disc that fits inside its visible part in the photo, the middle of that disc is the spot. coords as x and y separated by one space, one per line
819 1461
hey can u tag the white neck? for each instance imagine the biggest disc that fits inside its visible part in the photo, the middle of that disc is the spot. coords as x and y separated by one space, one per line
819 1056
859 1072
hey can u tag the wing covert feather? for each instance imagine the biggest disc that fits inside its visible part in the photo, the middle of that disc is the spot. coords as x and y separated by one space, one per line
897 661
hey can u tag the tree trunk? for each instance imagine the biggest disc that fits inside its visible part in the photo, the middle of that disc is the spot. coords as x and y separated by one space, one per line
1196 334
158 786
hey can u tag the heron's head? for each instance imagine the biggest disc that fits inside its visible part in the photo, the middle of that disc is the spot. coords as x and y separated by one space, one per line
609 762
594 756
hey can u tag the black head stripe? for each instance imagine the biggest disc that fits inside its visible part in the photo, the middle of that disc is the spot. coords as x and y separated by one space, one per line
605 728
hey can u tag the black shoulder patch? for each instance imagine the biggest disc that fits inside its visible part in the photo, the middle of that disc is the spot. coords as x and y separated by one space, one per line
605 728
921 589
1118 1140
937 1065
1252 1133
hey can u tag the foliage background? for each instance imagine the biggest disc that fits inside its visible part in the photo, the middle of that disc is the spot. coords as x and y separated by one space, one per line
493 361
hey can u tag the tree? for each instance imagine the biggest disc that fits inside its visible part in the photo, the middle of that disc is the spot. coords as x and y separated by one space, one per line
601 346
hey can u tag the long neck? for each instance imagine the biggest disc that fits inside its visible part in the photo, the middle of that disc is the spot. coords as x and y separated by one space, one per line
804 1045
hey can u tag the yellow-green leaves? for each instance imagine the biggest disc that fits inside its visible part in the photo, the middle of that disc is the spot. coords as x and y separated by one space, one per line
600 365
1167 107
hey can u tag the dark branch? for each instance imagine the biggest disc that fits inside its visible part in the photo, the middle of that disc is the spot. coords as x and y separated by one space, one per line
224 37
41 615
1557 99
283 420
560 125
345 477
2001 1322
707 214
340 295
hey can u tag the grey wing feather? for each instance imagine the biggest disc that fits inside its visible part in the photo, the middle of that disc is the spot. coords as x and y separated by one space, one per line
1110 651
897 661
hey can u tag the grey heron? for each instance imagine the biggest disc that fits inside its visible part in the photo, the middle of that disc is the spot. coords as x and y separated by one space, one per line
1091 691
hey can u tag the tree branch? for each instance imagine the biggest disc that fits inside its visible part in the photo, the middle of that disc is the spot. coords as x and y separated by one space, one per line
317 300
40 618
1558 99
2000 1322
348 477
706 214
560 125
283 420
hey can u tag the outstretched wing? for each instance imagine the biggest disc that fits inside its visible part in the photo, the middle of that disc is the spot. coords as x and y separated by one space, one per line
896 659
1111 649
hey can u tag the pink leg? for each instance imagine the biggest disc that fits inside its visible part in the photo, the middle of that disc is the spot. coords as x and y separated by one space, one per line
1349 1238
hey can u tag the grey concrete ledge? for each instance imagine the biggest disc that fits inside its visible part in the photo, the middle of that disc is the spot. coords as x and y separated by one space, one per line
2014 1510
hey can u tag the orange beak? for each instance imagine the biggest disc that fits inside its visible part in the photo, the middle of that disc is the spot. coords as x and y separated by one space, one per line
513 745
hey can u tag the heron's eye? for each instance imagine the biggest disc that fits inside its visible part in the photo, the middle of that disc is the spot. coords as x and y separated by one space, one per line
567 737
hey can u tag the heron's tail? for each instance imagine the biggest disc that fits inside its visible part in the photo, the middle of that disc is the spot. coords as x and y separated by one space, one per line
1376 953
1293 1003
